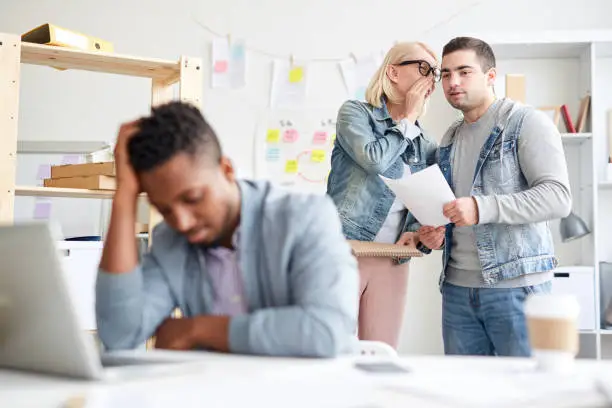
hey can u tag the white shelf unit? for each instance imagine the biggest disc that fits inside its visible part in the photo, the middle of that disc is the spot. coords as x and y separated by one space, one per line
560 69
185 73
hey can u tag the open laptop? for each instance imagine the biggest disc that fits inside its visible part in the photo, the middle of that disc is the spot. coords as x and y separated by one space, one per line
39 329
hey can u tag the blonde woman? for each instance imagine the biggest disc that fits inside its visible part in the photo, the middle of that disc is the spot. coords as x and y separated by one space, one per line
382 136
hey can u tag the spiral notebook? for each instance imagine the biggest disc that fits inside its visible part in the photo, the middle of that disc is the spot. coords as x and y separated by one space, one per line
378 249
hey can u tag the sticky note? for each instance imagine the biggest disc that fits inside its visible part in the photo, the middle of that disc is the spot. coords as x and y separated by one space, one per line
237 51
220 66
71 159
291 166
333 139
319 137
317 156
44 172
296 74
273 154
273 136
42 210
290 135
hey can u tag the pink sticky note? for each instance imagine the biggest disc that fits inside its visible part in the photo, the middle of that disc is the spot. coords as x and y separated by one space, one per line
319 137
220 66
290 135
42 210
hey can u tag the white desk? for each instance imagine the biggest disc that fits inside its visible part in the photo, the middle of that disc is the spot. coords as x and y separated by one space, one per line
238 381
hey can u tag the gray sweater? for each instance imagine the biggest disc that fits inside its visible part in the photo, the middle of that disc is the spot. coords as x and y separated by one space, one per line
542 162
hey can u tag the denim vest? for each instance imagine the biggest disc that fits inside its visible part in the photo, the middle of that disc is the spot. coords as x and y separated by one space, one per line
368 144
505 251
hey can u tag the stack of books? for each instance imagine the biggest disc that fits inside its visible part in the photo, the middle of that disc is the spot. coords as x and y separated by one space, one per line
90 176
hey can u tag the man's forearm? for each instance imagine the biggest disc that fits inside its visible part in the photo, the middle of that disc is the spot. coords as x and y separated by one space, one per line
120 252
212 332
543 202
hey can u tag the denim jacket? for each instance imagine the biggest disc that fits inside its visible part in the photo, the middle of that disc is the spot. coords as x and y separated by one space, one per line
368 144
505 251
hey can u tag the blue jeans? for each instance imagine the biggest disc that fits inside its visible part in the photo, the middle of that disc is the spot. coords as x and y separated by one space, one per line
486 321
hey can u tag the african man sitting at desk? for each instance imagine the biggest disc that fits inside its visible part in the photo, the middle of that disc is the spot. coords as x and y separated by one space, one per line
253 268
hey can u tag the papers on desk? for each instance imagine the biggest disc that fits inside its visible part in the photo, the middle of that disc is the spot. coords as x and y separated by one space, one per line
424 193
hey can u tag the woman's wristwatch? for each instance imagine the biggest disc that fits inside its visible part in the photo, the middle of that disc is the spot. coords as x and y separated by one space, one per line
423 248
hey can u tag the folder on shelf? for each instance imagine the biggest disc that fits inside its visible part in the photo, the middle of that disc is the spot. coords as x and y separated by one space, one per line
378 249
95 182
51 34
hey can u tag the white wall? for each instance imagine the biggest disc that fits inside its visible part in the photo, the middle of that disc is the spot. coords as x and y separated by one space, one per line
91 106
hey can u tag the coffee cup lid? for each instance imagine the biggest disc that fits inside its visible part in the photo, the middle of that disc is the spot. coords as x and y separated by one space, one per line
554 306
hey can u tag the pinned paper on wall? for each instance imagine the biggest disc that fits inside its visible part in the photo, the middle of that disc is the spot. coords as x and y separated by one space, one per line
357 73
273 136
290 136
291 166
301 159
318 156
319 137
228 63
288 85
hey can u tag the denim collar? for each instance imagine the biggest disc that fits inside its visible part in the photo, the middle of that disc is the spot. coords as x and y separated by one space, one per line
381 113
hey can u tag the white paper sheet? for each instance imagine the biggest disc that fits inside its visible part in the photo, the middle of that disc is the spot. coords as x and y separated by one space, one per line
228 63
288 89
357 74
424 193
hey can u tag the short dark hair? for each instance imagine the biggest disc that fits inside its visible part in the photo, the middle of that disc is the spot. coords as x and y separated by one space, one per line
482 49
173 128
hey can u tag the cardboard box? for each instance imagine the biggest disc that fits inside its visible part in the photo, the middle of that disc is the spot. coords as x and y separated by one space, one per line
515 87
85 169
88 182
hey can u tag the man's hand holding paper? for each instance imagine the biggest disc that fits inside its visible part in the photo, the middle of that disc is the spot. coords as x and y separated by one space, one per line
425 194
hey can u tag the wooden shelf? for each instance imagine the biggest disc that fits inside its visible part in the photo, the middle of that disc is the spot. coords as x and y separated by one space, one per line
34 191
66 58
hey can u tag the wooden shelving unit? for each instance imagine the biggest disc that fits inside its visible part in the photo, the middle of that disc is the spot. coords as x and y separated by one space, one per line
185 72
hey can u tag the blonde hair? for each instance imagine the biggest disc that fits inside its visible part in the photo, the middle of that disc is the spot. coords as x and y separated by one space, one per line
380 84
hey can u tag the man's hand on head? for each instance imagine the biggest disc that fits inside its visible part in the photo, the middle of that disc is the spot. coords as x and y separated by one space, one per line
127 182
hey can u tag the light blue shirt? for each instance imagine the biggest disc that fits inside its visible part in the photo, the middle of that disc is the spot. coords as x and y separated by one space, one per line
300 280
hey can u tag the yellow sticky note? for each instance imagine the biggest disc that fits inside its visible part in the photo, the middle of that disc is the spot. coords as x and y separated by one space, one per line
333 139
273 136
296 74
291 166
318 156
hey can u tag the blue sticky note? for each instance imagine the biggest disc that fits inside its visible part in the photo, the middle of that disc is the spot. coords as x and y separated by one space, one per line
273 154
237 51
